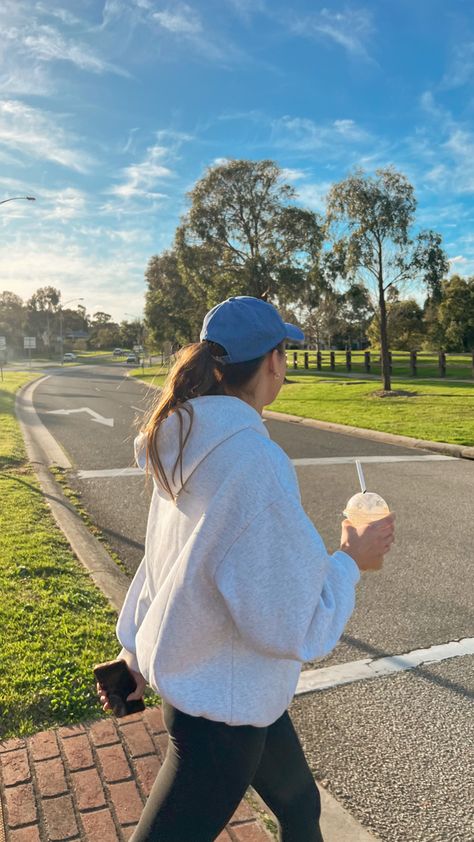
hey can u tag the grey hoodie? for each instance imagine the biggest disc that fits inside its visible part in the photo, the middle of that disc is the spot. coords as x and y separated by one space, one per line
236 588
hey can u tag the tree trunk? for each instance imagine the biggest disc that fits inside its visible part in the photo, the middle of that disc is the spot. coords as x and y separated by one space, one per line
384 349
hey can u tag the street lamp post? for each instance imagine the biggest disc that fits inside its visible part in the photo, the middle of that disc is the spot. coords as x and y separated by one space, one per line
15 198
61 337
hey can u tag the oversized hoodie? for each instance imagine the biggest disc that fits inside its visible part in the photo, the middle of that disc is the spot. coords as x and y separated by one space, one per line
236 588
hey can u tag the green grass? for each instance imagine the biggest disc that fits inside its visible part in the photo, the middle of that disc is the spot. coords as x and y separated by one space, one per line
55 623
155 375
12 448
434 411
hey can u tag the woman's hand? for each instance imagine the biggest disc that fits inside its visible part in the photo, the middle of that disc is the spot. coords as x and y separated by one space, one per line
137 693
368 544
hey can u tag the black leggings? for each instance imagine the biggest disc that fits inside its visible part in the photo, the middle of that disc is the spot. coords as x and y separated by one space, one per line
207 770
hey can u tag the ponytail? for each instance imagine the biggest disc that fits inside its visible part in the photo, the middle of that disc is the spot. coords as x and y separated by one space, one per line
198 370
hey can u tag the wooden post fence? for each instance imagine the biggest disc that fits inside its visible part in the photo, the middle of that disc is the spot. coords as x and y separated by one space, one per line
306 359
295 359
319 360
332 359
413 361
367 361
348 361
442 364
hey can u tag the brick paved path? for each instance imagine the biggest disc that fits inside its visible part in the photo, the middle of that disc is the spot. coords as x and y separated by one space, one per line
89 783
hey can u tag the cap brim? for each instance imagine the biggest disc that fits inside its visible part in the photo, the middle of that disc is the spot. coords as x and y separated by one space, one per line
293 333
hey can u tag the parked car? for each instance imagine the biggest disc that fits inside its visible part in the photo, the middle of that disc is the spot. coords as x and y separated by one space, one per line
69 357
118 352
132 359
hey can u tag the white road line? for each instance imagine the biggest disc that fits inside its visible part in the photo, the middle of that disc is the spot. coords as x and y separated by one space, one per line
346 460
333 460
322 679
110 472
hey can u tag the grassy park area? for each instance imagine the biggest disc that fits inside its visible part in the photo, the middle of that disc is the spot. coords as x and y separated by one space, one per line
437 411
55 623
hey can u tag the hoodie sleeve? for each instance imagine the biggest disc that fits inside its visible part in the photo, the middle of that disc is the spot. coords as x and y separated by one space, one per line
287 596
132 614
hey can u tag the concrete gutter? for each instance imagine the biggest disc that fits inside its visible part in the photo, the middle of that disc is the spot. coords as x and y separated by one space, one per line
458 450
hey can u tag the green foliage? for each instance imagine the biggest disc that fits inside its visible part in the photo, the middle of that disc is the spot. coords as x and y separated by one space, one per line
455 314
371 219
405 325
241 236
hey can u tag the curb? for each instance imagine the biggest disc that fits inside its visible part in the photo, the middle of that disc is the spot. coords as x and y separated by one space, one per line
458 450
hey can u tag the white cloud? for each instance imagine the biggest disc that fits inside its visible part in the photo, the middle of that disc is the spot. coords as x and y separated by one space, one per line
458 259
61 14
304 135
47 44
313 196
66 204
141 179
181 19
461 67
351 29
38 134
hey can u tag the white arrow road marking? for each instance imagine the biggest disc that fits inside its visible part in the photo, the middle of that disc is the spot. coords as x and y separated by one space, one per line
325 677
109 422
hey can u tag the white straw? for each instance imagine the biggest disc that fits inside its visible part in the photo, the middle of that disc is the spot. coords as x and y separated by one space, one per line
360 472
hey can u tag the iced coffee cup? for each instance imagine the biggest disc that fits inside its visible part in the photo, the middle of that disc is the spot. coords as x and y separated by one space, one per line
366 507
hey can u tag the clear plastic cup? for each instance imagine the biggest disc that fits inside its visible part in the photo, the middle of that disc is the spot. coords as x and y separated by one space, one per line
366 507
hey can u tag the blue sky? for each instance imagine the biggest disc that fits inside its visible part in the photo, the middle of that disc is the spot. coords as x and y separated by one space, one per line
110 111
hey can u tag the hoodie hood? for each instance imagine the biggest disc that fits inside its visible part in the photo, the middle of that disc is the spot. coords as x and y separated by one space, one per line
216 418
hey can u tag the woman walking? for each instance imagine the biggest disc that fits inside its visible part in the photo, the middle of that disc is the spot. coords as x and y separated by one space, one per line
236 589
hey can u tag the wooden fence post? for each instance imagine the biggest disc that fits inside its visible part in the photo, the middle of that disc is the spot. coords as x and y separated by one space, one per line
367 361
306 359
413 360
295 359
319 360
348 361
442 364
332 359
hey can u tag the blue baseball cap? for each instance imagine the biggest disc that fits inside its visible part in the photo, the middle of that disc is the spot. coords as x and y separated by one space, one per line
247 328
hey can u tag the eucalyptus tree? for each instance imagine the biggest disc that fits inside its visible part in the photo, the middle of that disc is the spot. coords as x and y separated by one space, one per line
371 221
244 235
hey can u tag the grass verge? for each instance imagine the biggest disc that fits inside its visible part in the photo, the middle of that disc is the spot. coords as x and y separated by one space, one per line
434 411
55 623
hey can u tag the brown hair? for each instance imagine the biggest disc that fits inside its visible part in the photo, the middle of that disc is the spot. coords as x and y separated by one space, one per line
198 370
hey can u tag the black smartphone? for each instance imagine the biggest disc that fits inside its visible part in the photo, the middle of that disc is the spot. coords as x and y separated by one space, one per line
118 682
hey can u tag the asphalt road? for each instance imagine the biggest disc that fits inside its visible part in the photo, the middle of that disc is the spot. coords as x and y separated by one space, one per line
397 751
